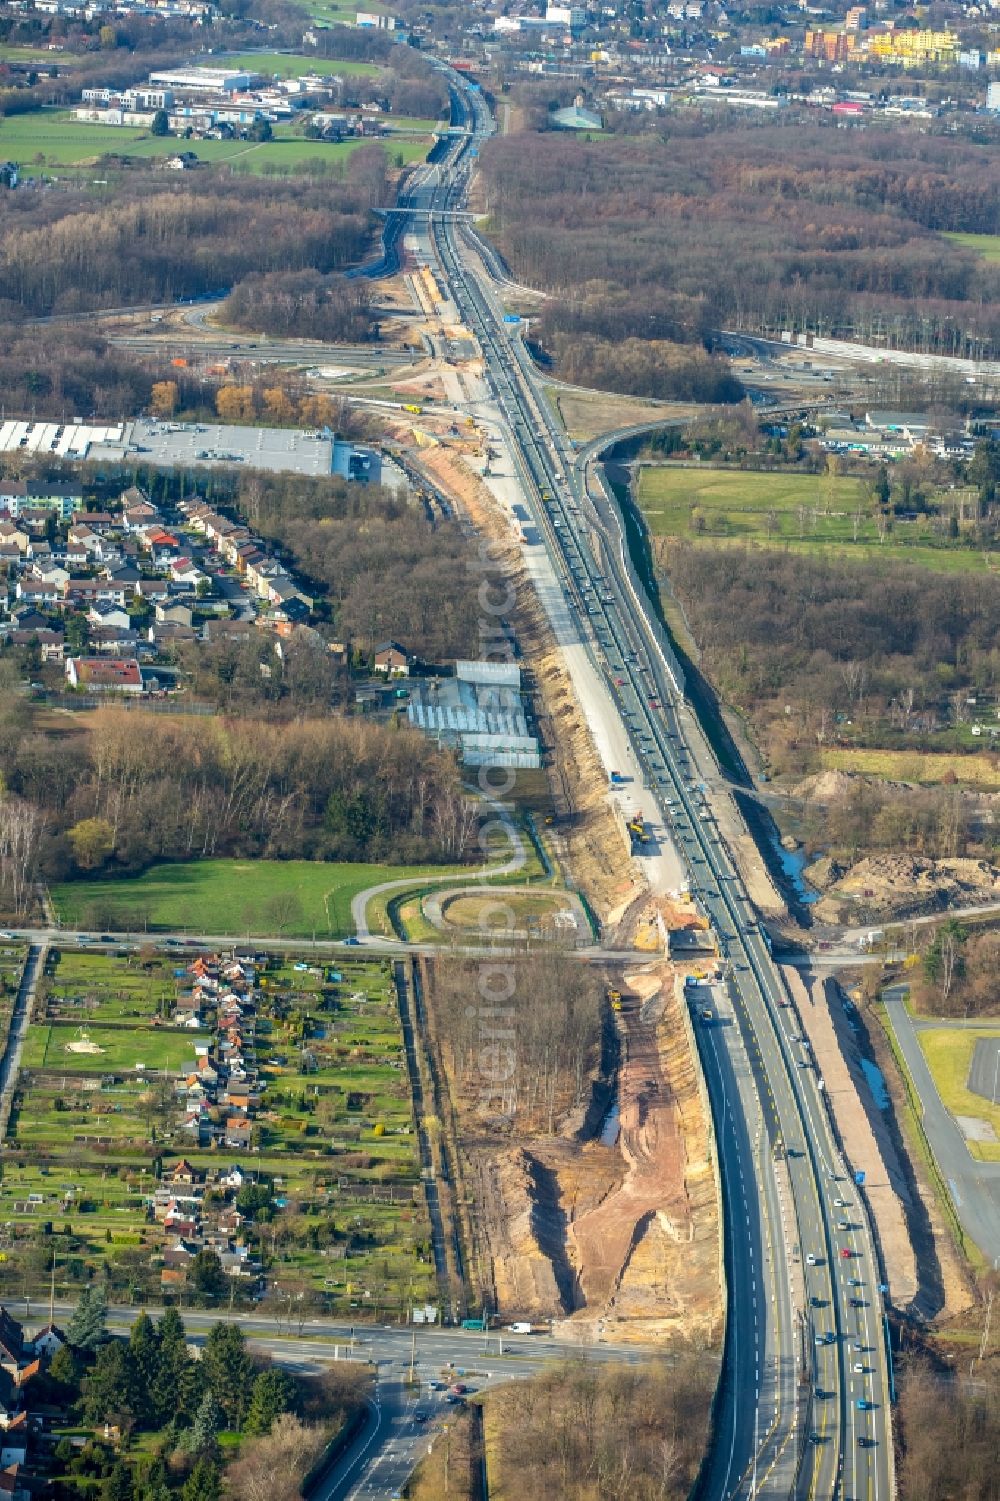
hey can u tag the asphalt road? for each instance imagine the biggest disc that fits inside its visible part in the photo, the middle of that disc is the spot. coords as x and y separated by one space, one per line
974 1186
761 1445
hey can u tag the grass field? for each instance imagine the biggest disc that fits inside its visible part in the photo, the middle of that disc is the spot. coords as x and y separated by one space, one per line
809 512
988 246
297 65
56 139
295 898
51 1046
949 1051
913 766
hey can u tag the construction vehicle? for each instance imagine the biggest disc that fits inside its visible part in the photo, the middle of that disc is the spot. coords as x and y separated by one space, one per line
409 407
637 828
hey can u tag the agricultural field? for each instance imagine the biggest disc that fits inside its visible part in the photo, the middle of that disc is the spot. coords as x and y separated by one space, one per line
803 512
988 246
55 139
338 1212
949 1051
293 898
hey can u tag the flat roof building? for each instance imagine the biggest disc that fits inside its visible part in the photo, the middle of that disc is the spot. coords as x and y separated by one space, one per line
203 80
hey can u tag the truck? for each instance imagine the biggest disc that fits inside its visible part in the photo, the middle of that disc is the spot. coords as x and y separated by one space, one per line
616 779
521 1327
479 1323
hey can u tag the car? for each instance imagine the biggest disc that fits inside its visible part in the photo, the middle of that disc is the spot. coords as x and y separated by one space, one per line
864 1442
846 1253
858 1303
6 937
459 1388
859 1369
855 1282
419 1416
620 682
843 1225
454 1398
841 1204
107 938
863 1405
352 943
810 1259
437 1386
857 1347
817 1302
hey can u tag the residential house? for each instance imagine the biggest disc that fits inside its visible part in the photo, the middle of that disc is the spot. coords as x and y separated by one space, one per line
14 1485
104 675
238 1133
51 643
49 571
40 592
173 613
12 1344
153 590
48 1340
82 535
391 659
185 1172
14 535
183 571
107 614
79 593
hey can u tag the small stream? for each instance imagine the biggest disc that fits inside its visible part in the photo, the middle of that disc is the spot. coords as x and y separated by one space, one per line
793 863
611 1125
876 1082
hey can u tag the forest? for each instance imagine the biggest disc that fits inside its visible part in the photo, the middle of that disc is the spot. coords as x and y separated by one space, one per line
128 788
949 1429
621 1433
301 304
794 640
683 229
65 253
552 1015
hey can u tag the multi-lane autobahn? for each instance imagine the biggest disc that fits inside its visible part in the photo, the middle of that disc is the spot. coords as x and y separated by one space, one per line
804 1405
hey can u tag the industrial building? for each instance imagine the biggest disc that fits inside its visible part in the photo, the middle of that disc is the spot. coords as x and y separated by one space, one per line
479 711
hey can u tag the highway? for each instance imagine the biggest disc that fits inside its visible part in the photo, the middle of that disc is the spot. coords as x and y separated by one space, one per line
804 1341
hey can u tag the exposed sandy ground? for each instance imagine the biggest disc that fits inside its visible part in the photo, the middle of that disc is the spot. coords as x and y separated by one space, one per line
926 1278
647 1256
885 887
617 1241
588 414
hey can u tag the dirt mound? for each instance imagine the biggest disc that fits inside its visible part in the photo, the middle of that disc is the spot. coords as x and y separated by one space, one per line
883 887
823 872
